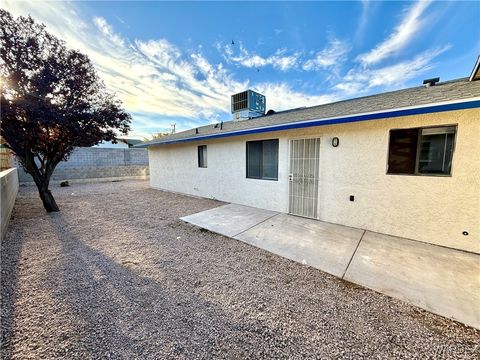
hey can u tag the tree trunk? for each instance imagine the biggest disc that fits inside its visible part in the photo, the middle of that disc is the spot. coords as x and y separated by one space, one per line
48 201
42 180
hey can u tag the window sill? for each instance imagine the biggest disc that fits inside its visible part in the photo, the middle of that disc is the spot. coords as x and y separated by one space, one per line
420 175
255 178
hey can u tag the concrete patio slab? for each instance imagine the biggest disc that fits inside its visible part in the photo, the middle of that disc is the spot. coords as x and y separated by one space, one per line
229 220
441 280
325 246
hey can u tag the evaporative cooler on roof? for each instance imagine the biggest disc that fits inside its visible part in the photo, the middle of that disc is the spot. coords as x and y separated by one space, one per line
247 104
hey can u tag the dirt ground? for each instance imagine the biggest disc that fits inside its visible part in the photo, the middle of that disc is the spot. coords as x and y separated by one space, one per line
116 274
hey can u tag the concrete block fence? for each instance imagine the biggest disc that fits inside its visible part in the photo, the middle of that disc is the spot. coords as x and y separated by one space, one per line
97 164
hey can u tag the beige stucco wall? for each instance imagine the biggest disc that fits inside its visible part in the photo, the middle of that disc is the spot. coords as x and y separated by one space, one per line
426 208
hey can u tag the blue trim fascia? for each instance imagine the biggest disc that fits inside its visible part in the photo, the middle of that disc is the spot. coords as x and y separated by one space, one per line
342 120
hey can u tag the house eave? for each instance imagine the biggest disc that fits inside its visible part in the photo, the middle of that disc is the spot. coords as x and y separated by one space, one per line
475 75
470 103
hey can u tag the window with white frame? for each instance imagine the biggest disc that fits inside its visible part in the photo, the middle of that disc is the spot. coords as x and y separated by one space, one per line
421 151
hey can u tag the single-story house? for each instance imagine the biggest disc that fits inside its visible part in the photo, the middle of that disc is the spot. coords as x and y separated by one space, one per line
403 163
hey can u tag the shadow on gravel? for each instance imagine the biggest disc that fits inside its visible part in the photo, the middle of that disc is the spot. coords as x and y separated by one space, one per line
10 261
115 310
117 275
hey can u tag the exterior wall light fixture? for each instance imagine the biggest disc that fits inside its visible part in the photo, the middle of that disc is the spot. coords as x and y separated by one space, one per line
335 142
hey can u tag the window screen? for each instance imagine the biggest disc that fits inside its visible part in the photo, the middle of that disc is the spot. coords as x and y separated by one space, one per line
436 150
202 156
421 151
262 159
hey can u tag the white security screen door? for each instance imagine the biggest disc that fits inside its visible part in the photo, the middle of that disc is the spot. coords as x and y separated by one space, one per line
303 177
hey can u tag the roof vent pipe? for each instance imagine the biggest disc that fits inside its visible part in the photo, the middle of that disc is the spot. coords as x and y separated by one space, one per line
431 82
218 124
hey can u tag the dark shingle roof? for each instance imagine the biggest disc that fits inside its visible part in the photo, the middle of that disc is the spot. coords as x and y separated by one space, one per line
459 89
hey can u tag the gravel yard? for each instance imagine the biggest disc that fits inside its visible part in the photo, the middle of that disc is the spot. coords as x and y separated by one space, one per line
116 274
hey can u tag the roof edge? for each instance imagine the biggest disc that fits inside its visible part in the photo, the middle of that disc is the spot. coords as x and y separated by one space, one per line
469 103
476 70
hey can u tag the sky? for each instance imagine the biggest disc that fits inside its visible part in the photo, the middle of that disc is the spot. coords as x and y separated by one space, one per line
179 62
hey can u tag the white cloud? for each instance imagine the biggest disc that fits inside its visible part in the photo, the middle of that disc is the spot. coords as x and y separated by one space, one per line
331 56
107 30
360 80
350 88
281 96
400 73
160 51
156 79
150 77
363 21
159 82
401 36
328 58
279 60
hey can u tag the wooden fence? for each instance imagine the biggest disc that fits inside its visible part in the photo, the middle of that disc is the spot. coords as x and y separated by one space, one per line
5 158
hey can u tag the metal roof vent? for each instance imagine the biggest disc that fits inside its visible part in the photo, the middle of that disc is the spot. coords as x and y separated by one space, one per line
431 82
247 104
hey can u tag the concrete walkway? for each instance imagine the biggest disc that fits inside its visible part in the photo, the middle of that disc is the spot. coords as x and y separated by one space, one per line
441 280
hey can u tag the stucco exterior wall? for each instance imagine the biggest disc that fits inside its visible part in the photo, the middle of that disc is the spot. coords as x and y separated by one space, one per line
432 209
8 195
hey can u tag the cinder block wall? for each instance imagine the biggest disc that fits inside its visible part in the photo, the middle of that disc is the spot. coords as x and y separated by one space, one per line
8 191
98 163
